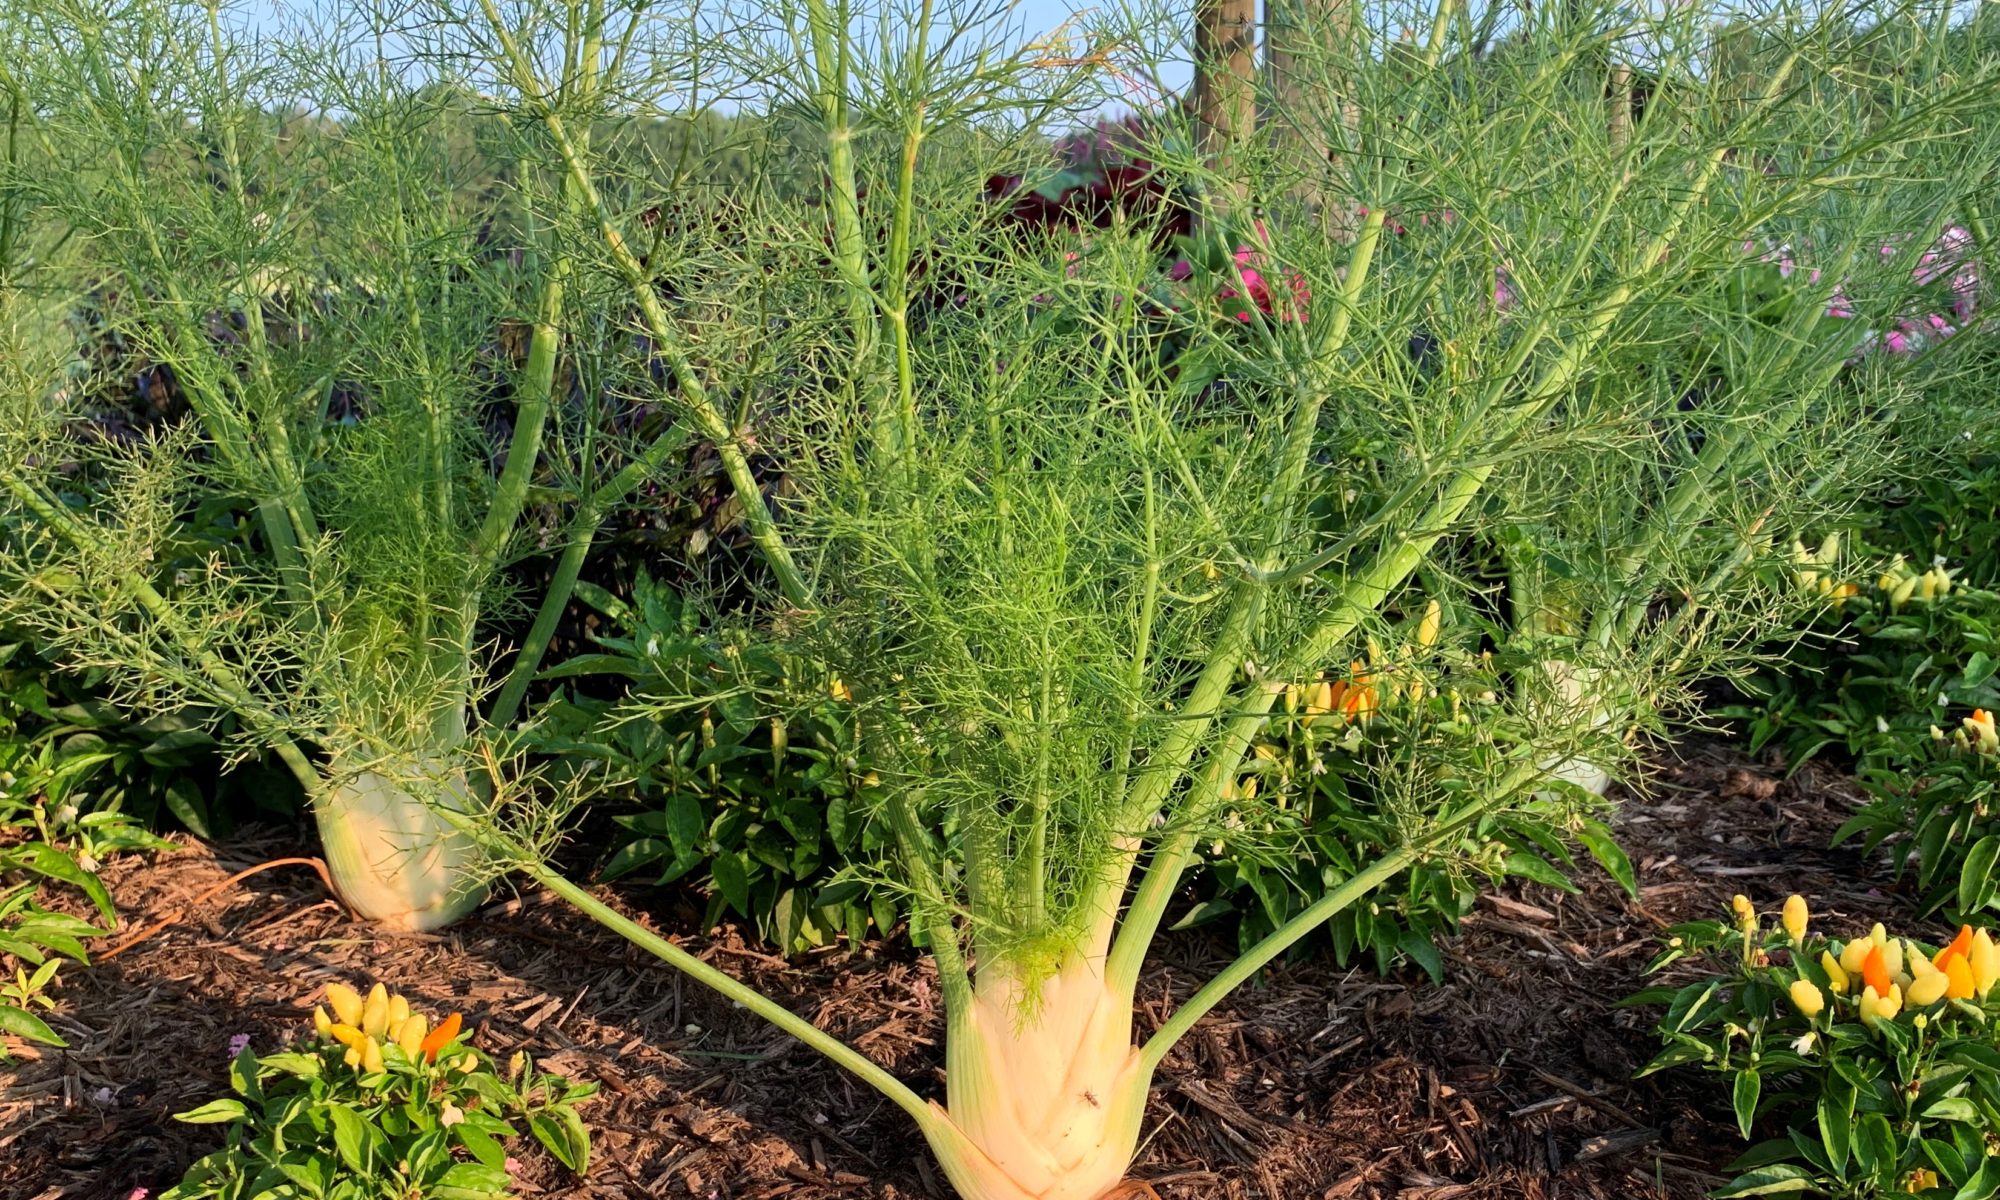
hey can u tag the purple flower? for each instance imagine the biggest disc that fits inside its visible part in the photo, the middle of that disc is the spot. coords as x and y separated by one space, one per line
238 1043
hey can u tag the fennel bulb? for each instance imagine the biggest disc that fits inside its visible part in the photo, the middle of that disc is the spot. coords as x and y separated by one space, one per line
395 859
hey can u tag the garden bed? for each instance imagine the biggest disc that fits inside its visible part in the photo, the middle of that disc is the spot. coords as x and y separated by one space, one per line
1509 1080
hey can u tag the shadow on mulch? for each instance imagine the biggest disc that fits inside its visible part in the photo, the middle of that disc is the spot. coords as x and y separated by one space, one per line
1512 1079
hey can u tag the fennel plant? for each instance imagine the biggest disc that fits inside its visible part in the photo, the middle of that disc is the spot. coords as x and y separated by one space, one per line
1067 575
296 245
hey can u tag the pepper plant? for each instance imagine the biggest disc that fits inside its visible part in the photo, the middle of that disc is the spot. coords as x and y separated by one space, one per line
380 1102
1872 1057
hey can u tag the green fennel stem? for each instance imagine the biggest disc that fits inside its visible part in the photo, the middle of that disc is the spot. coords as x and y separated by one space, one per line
728 446
777 1014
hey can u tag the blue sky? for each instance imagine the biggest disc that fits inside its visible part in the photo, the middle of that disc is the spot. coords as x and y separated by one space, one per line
1031 19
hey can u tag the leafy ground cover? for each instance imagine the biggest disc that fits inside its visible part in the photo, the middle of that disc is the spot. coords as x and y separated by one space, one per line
1510 1079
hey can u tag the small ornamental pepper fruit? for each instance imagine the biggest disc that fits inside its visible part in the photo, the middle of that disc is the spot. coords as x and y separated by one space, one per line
346 1004
1875 971
1852 954
1959 973
1928 989
440 1037
411 1036
1960 946
1796 916
1985 959
375 1012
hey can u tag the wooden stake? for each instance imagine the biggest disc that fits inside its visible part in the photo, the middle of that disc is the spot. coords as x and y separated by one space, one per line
1225 89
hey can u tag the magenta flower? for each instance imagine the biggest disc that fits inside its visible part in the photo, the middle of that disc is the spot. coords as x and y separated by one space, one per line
1257 290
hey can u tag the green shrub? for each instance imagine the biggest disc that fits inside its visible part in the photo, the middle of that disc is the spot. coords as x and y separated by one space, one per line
46 839
742 761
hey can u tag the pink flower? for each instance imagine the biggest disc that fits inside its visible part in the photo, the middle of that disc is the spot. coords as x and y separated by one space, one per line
512 1164
139 1193
238 1043
1180 271
1258 291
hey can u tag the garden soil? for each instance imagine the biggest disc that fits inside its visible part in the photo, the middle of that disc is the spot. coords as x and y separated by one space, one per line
1511 1079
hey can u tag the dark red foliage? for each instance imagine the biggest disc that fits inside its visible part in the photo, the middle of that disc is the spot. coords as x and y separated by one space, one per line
1099 176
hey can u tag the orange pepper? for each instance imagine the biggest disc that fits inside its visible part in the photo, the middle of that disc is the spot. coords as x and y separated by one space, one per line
1960 945
1875 972
440 1037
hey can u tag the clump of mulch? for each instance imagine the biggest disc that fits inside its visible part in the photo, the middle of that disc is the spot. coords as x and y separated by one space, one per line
1510 1080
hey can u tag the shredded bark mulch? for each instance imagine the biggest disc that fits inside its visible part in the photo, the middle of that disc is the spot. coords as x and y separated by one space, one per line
1510 1080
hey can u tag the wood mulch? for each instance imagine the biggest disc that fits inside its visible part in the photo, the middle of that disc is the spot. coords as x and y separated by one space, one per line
1511 1080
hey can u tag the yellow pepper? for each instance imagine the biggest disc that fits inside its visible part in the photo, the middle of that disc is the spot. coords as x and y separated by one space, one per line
371 1055
1980 728
1985 961
1808 998
375 1013
1892 952
322 1025
411 1035
346 1003
1876 1006
1796 916
1836 976
1855 953
1928 989
1427 628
